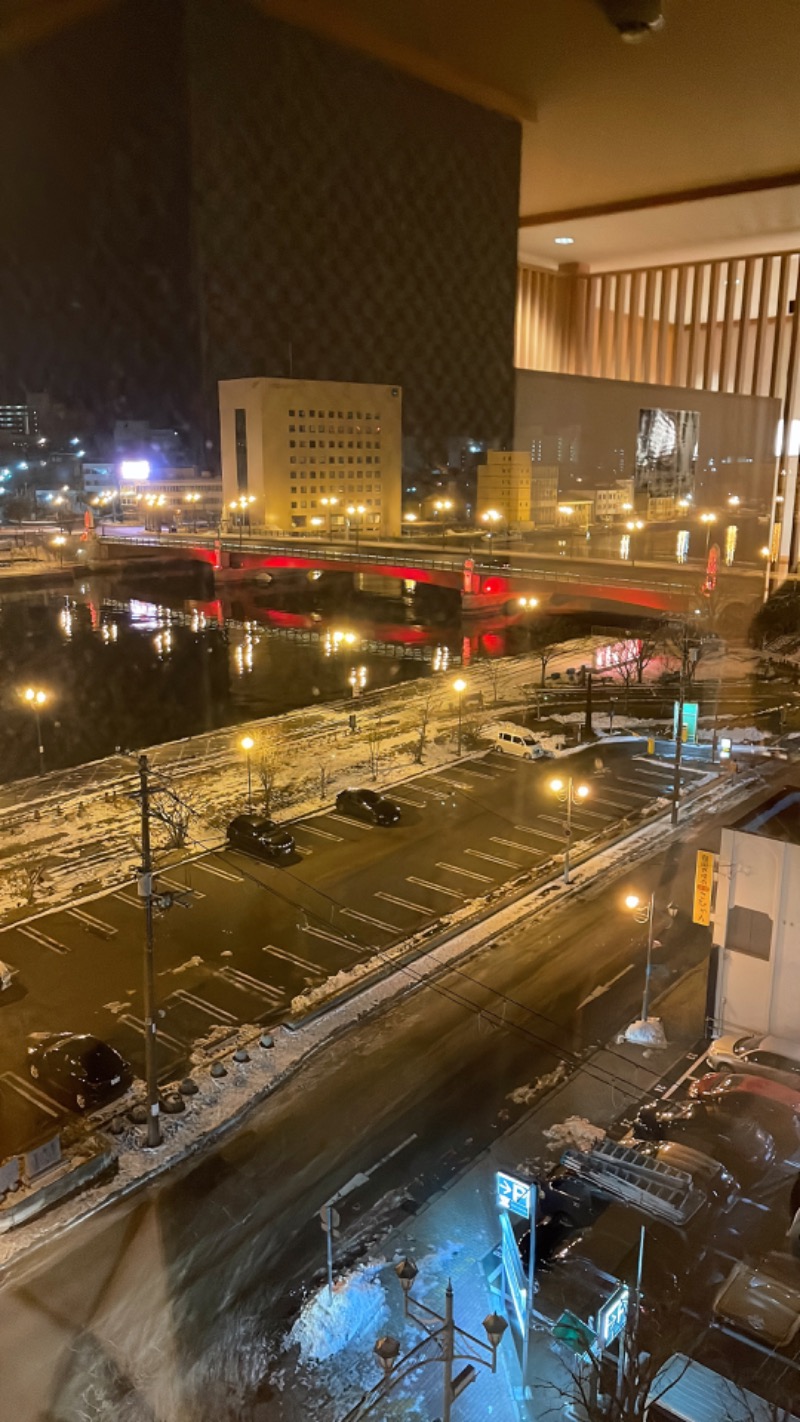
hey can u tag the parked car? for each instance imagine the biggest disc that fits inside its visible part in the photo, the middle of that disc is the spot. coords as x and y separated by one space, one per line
763 1300
758 1055
744 1147
262 837
771 1102
80 1070
515 740
368 805
709 1177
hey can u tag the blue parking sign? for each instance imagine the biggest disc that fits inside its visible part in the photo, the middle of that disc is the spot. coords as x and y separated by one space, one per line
513 1194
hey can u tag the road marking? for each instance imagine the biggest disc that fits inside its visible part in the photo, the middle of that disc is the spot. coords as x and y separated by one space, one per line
436 888
619 789
454 784
603 988
554 820
137 1025
546 834
323 834
492 858
334 938
589 815
247 983
217 872
514 844
287 957
302 849
481 774
466 873
179 888
192 1000
98 924
136 903
615 804
45 940
351 821
406 903
406 800
23 1088
390 1155
376 922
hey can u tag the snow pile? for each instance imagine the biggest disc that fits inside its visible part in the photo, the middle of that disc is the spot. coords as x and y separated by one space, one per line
646 1034
329 1323
526 1095
575 1131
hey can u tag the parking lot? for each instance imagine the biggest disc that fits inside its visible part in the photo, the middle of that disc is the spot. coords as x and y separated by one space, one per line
244 938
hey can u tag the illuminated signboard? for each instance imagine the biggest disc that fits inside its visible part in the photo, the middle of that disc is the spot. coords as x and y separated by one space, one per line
135 470
512 1272
689 723
612 1316
617 654
703 887
513 1194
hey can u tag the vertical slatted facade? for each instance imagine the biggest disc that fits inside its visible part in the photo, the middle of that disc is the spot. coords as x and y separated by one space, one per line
730 325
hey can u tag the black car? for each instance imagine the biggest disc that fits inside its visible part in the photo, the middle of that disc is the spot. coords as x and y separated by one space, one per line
262 837
79 1070
368 805
746 1148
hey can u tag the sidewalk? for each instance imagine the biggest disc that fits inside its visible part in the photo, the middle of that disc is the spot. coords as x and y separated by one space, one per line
453 1238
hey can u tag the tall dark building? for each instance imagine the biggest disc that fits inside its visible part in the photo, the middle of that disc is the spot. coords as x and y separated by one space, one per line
191 191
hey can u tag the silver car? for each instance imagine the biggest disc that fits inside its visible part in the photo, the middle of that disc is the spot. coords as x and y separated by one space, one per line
759 1055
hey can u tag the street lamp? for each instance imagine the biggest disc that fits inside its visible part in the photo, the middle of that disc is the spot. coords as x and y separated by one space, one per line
443 506
453 1344
58 542
194 500
328 504
528 603
247 744
36 700
709 519
645 913
569 794
459 687
492 517
356 511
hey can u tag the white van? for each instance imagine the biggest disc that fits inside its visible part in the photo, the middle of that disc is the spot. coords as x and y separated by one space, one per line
516 741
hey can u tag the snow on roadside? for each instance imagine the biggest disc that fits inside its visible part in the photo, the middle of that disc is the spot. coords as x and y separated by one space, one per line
526 1095
645 1034
329 1322
575 1131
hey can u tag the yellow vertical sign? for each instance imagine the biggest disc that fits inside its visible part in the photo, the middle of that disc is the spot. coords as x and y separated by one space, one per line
703 885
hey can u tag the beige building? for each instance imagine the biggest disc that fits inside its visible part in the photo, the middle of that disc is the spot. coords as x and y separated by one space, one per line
614 501
575 513
544 495
504 484
304 452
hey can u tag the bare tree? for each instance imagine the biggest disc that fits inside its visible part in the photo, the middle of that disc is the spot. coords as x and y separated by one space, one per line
543 643
268 763
374 740
647 647
32 874
495 669
174 813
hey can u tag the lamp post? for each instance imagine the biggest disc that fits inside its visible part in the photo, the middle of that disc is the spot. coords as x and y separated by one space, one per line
459 687
569 794
493 517
645 913
329 504
452 1344
634 525
443 506
193 500
58 542
709 519
247 744
356 513
37 699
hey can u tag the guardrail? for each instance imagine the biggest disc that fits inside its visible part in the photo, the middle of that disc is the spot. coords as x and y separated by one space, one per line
333 554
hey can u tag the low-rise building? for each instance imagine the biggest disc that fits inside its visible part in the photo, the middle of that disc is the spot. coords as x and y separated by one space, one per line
614 501
504 486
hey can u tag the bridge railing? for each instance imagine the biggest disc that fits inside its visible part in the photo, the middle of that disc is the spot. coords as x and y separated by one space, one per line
334 554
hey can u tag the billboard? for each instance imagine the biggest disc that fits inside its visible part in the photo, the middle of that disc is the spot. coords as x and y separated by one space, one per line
617 654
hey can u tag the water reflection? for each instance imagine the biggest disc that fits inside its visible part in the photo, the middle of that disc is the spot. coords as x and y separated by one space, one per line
682 545
731 538
625 546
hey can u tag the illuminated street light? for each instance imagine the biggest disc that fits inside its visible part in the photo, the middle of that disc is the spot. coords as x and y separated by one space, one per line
459 687
329 504
36 699
58 542
709 519
765 552
644 912
734 501
247 744
529 603
569 794
355 513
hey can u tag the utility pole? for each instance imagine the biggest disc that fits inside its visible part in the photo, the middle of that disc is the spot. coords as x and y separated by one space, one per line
145 887
587 724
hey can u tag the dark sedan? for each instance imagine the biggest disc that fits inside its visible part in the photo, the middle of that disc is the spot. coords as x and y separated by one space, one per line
261 837
79 1070
368 805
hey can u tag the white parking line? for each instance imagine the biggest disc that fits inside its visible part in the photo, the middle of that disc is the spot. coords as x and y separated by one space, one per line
407 800
514 844
406 903
492 858
454 784
136 903
545 834
615 804
436 888
554 820
217 872
619 789
466 873
351 821
98 924
366 918
24 1088
286 957
45 940
191 999
179 888
136 1025
303 849
323 834
247 983
334 938
481 774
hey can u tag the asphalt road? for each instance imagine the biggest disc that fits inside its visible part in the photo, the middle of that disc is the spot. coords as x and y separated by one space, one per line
160 1305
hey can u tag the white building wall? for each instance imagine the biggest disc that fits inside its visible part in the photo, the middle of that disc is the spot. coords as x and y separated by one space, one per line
755 993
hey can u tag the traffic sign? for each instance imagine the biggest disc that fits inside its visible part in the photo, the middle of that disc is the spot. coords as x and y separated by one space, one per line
574 1332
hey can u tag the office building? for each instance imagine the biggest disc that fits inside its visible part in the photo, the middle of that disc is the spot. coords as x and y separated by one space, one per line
301 453
544 495
613 501
504 485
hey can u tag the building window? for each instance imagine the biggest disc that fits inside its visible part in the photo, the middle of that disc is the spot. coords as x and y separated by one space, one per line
292 443
291 414
294 503
240 436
